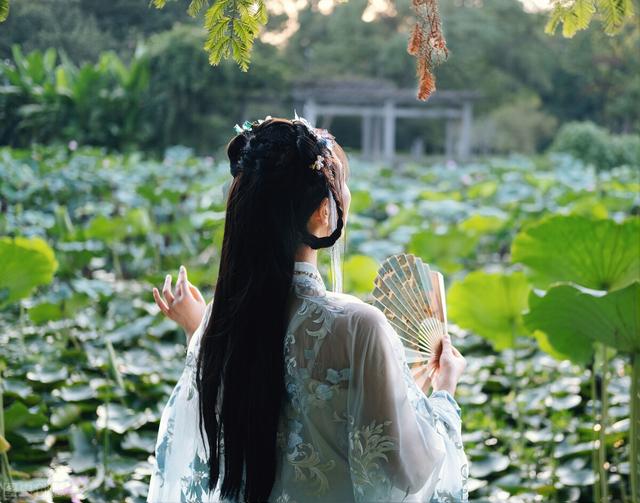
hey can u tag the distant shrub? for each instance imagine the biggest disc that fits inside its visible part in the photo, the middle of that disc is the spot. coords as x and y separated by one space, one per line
520 126
627 149
595 145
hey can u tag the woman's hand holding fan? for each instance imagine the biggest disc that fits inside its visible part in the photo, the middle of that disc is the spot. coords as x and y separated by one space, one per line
412 297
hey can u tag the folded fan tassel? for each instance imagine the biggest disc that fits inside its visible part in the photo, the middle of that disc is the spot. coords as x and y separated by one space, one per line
427 44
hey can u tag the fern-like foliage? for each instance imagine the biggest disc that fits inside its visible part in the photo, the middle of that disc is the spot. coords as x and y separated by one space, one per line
4 10
576 15
232 27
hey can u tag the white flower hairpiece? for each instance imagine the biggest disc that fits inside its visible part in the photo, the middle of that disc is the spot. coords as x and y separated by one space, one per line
318 163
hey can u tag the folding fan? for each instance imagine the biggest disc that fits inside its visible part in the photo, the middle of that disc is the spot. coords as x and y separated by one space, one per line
412 297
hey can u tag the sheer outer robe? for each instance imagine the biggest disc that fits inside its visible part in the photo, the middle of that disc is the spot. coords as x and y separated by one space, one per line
355 426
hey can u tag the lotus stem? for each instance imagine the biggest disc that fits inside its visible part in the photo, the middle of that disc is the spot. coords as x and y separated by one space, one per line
105 445
116 262
5 470
634 432
516 387
594 451
604 419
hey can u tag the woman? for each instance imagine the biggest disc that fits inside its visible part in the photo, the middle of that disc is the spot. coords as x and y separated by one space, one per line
293 393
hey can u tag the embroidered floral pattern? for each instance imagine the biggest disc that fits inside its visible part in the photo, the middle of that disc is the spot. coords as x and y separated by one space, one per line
368 446
284 498
308 466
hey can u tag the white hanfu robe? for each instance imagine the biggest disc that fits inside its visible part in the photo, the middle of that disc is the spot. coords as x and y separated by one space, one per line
355 426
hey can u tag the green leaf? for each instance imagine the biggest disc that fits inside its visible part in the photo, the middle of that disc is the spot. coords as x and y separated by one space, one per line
196 6
359 273
547 347
490 304
15 416
482 224
443 249
361 201
577 15
614 14
119 419
30 485
574 318
4 10
135 222
24 264
84 451
65 415
4 445
598 254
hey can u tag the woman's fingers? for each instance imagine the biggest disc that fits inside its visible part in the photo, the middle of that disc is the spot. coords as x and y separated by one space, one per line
166 290
161 303
196 293
446 344
183 283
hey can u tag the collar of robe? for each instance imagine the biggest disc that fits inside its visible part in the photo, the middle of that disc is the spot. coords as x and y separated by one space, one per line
306 274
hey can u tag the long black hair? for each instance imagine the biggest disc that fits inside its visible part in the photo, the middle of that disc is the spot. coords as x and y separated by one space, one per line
240 372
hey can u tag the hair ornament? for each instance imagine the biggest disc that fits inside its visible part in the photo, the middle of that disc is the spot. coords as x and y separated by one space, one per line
248 125
318 164
326 142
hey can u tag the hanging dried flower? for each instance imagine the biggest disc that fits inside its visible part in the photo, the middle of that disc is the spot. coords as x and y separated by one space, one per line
427 44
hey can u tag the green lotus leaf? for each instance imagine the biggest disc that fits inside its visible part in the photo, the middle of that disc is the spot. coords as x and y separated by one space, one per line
598 254
482 224
359 273
24 264
82 441
30 485
547 347
135 222
574 318
361 201
444 250
490 304
65 415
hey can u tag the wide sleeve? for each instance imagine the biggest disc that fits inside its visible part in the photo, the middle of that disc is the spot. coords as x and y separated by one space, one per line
402 444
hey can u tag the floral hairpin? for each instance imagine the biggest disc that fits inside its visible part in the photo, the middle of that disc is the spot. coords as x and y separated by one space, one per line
318 164
248 126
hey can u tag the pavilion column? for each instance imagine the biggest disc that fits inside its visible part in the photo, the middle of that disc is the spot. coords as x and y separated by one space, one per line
389 131
376 136
366 142
464 141
449 139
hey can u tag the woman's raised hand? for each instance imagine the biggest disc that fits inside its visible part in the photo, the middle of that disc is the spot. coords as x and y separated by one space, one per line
449 367
186 306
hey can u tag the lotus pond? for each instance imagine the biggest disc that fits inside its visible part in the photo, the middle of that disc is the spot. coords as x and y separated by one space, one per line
541 259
